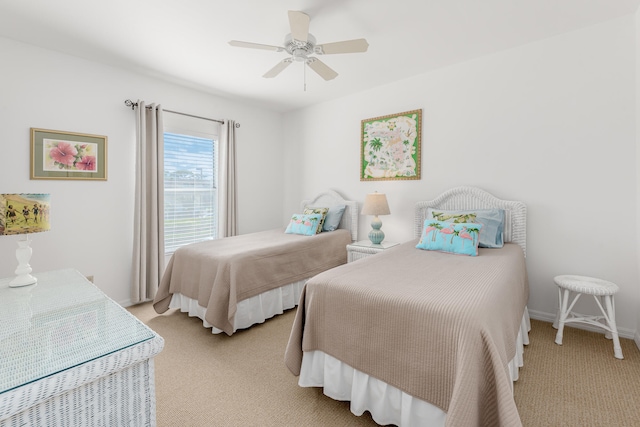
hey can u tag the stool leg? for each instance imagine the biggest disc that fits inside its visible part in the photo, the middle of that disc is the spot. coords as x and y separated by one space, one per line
555 322
611 314
603 304
564 300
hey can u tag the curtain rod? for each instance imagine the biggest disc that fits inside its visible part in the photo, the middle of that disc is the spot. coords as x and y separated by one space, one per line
130 103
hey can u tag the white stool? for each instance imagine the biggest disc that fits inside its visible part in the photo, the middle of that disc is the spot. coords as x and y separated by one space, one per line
602 292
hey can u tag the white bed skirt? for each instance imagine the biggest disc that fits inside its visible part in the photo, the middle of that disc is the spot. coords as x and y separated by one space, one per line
387 404
250 311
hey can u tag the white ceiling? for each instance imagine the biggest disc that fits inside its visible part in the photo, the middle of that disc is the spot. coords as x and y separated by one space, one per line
186 41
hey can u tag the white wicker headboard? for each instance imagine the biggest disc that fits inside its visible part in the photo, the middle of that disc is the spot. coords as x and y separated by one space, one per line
330 198
515 227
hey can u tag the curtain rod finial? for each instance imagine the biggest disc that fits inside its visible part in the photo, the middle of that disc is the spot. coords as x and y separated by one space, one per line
130 103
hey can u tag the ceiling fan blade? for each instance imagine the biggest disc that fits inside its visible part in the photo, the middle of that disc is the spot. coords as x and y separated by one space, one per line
299 23
280 66
347 46
237 43
322 69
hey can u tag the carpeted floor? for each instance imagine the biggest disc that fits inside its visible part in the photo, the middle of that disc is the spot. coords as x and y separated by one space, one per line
216 380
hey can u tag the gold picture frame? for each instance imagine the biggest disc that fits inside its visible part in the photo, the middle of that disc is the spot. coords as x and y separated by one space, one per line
68 155
391 147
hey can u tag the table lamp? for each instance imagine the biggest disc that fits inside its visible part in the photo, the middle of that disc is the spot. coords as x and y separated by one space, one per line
24 214
376 204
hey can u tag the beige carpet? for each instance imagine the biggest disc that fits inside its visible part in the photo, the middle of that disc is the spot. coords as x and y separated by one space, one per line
216 380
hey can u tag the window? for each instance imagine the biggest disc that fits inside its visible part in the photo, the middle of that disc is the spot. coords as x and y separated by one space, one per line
190 188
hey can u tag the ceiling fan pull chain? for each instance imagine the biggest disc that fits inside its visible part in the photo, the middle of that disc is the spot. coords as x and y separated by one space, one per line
304 71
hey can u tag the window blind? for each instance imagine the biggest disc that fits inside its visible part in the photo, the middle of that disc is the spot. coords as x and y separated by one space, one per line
190 190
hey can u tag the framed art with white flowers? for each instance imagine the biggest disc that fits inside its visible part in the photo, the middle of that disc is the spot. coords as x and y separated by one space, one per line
68 155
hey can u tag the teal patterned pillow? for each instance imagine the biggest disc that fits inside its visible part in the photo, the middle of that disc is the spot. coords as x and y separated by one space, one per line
457 238
306 225
321 211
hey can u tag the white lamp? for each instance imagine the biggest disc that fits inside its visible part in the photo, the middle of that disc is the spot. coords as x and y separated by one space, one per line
24 214
376 204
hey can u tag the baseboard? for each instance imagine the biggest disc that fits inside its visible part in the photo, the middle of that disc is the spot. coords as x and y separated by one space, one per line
540 315
126 303
551 317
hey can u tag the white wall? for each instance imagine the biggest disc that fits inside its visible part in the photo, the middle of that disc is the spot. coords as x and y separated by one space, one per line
637 92
91 220
550 123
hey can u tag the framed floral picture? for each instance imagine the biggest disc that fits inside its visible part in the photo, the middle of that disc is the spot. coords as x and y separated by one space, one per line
391 147
68 155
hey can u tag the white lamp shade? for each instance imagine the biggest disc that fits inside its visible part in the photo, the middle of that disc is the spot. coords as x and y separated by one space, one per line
375 204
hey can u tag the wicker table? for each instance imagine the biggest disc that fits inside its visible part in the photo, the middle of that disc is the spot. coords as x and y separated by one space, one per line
71 356
365 248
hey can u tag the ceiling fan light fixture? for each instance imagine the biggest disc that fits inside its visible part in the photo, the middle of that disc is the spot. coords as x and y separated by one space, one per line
292 45
299 57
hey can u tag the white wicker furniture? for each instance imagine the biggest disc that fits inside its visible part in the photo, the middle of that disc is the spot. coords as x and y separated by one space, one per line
365 248
70 356
602 291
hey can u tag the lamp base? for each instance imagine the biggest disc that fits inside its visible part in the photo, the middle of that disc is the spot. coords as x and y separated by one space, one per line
376 235
23 280
23 276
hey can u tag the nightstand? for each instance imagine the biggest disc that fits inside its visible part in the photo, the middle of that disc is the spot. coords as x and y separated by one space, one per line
365 248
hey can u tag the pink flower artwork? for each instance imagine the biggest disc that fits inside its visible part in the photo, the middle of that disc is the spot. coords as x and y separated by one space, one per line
63 153
87 163
70 156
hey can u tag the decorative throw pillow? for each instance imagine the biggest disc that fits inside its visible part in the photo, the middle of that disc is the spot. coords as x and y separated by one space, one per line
303 224
458 238
332 220
492 221
321 211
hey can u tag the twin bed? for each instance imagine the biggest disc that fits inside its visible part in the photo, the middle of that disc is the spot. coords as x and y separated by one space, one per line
415 337
418 337
240 281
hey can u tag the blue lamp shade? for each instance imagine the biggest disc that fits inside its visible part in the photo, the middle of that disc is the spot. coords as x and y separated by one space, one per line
376 204
24 214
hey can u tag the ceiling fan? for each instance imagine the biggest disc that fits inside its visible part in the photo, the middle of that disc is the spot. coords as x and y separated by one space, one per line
300 44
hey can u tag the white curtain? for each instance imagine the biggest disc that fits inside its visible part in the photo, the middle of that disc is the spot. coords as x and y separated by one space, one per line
148 229
228 188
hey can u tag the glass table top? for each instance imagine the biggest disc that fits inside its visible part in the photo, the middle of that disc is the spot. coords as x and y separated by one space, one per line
368 244
61 322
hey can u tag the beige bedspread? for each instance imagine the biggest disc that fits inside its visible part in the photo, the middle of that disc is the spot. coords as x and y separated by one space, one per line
438 326
220 273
